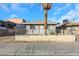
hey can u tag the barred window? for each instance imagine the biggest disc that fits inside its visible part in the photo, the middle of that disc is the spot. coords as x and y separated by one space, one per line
32 27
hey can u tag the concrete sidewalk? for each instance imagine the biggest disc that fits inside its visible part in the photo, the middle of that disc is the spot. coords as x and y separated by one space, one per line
39 49
9 47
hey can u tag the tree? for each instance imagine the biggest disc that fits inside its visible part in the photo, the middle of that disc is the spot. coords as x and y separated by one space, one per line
46 7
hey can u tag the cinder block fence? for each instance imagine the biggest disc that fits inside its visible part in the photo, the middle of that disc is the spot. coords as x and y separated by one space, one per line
56 38
6 32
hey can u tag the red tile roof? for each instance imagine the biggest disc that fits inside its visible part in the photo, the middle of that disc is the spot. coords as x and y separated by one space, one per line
16 20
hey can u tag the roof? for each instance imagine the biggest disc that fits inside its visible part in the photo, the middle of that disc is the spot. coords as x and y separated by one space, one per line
73 24
69 24
16 20
38 23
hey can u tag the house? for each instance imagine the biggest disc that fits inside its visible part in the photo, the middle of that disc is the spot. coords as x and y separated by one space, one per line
37 27
12 26
34 27
18 22
19 28
69 28
6 28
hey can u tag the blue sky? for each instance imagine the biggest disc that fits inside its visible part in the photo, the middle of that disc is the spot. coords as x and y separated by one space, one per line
34 11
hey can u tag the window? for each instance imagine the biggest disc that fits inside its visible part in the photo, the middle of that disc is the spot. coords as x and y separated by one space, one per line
73 28
32 27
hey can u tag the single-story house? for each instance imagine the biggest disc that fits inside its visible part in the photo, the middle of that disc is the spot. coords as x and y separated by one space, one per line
68 28
6 28
37 27
19 27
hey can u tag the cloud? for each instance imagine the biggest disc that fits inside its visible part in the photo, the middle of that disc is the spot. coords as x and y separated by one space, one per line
72 15
64 7
31 5
14 6
59 10
4 7
53 19
13 16
76 12
18 7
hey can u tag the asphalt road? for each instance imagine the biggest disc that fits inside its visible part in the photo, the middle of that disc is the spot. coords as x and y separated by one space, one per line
10 48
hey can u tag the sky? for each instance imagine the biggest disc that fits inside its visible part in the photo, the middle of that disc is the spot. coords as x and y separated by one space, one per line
35 12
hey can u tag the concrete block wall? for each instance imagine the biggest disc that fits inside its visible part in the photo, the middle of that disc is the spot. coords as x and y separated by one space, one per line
6 32
56 38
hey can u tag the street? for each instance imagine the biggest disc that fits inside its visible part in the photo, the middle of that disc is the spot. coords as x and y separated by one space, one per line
10 48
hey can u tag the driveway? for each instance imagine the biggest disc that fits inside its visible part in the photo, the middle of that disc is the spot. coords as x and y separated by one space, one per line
10 48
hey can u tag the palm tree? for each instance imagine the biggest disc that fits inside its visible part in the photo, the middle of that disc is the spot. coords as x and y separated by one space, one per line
46 7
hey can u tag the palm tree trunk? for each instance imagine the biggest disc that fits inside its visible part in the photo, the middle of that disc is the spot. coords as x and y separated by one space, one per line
45 21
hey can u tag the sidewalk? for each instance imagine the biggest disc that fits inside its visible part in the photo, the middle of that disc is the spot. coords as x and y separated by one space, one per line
8 47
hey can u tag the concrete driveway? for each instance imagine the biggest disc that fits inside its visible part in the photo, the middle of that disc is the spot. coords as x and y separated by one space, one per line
10 48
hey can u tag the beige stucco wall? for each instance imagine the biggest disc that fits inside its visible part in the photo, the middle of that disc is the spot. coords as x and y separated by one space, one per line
69 32
56 38
51 28
36 30
77 31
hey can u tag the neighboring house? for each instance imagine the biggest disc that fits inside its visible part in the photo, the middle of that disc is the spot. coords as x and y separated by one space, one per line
38 27
16 20
69 28
3 30
19 28
6 28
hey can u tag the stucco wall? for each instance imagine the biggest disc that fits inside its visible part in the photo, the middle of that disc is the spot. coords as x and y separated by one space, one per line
51 28
75 30
56 38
